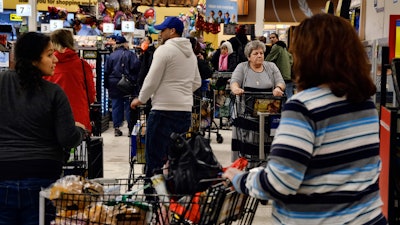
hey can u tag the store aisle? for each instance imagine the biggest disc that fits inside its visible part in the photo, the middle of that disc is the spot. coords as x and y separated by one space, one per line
116 161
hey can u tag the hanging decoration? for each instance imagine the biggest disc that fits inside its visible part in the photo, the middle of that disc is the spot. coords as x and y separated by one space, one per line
150 18
203 25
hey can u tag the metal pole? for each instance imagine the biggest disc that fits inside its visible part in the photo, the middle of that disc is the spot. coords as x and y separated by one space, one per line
41 208
32 20
262 134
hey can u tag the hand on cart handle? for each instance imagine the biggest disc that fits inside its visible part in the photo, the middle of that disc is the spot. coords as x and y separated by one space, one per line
229 174
78 124
135 102
278 91
237 91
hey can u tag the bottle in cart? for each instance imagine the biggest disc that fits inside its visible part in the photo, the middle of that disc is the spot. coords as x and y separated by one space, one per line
134 134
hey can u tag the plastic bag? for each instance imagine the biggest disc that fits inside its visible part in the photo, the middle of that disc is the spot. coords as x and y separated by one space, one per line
191 162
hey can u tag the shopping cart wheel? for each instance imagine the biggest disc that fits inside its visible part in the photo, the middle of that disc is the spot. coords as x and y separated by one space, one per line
220 139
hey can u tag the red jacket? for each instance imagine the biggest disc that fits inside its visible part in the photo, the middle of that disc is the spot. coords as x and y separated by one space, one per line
69 75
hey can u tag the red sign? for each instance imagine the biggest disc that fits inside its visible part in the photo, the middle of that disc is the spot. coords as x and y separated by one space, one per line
385 158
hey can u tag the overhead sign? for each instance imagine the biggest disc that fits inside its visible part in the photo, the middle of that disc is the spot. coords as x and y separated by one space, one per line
56 24
139 33
71 5
45 28
128 26
108 28
24 10
15 17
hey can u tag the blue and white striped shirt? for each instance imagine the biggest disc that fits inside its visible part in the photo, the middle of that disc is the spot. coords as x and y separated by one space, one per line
324 163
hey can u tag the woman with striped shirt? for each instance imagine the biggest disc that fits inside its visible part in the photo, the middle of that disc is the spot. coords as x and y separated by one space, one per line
324 163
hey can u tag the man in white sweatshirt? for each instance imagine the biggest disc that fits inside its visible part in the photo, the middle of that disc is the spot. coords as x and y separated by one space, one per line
172 78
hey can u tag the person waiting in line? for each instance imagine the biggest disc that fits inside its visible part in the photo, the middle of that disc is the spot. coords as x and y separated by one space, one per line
121 61
223 61
227 61
324 164
74 76
110 42
283 60
36 124
204 70
239 42
170 82
203 65
255 75
215 56
145 62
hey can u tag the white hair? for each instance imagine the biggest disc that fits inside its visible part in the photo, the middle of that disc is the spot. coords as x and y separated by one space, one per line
228 45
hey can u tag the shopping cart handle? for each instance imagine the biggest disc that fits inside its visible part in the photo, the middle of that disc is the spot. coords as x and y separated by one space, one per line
257 93
212 180
222 74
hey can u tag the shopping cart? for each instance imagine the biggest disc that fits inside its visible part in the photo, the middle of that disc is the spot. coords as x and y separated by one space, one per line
203 113
256 115
116 203
137 159
222 104
77 163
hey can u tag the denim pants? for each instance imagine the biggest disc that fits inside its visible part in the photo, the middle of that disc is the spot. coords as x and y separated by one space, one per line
19 201
289 89
120 110
160 126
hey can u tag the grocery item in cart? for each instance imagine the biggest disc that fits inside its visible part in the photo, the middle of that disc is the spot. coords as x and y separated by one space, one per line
79 201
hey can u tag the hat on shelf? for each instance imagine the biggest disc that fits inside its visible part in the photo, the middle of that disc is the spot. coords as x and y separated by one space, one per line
171 22
120 40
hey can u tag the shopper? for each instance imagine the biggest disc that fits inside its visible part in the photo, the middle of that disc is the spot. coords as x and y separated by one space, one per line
36 123
215 56
170 82
324 163
74 76
145 59
145 62
223 60
239 42
283 60
256 75
121 61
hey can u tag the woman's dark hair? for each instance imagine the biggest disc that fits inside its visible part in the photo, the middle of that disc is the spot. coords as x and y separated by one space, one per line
195 45
28 49
150 38
327 50
276 35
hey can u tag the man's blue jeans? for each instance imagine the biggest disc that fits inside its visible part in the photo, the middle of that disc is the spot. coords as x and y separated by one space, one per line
160 126
120 107
19 201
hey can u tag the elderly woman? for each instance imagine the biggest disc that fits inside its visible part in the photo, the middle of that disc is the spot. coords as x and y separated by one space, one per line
224 60
255 75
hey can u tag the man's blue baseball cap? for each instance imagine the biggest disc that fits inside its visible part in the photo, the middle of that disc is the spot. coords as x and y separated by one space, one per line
171 22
